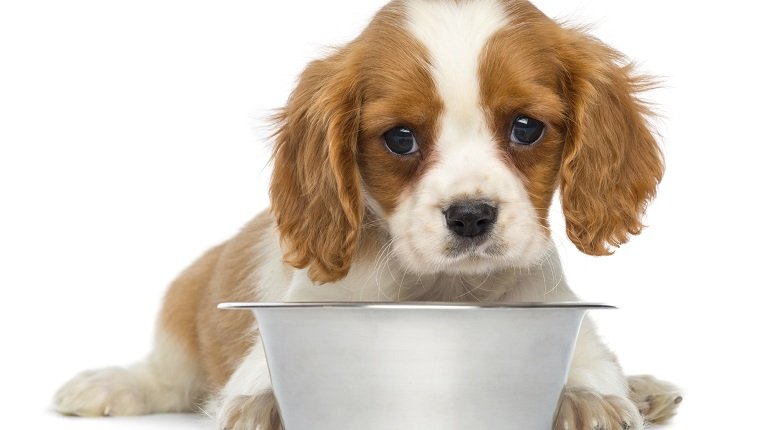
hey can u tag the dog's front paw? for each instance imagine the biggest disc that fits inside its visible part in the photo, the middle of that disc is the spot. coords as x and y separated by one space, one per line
586 410
257 412
657 400
111 391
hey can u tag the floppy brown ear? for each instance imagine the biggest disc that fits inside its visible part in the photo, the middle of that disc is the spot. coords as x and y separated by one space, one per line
611 163
315 188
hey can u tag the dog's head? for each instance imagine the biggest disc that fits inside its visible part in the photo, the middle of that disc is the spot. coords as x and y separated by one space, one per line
451 123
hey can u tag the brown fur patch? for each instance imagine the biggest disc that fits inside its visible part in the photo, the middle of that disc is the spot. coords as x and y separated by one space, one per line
397 91
315 188
520 76
315 183
180 307
612 163
218 340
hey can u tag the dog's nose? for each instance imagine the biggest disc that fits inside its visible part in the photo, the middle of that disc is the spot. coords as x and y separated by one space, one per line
470 219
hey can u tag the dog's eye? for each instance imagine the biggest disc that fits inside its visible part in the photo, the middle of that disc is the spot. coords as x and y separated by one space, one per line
401 141
526 130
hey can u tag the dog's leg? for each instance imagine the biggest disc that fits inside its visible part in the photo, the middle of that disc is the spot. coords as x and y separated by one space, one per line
596 394
247 401
165 382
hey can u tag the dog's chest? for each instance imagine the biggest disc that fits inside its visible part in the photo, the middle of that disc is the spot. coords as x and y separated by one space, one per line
389 282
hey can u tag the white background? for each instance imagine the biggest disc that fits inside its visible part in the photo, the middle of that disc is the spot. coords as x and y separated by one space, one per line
133 136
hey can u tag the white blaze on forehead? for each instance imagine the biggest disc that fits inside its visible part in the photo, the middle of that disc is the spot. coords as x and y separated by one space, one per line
455 33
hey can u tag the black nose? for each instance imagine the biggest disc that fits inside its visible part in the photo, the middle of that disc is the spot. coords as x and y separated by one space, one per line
470 219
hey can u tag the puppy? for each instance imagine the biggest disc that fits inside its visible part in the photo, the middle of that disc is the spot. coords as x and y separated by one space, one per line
418 163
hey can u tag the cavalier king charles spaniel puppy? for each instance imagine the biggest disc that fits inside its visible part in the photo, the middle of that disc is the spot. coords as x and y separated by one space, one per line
418 163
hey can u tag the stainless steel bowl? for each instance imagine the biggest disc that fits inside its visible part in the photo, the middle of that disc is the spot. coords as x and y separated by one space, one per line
417 366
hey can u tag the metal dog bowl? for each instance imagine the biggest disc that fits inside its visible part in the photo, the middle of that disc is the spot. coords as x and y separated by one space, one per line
402 366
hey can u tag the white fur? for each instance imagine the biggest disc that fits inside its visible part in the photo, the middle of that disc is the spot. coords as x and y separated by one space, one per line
454 34
594 366
270 272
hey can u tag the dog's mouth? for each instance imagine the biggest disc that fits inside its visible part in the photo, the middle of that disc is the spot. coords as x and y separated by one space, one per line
473 248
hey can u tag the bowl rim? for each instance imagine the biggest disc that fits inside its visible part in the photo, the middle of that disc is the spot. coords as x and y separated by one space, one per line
412 305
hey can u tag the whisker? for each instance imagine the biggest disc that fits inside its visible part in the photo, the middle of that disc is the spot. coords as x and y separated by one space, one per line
203 411
376 268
